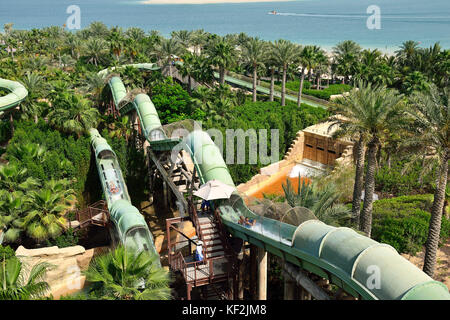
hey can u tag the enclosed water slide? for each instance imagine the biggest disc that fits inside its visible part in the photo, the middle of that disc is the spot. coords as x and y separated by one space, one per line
359 265
130 228
17 93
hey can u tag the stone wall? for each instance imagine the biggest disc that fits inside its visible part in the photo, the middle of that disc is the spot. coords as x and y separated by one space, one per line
65 277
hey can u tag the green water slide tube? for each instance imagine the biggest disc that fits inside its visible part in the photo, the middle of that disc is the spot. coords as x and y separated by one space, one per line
140 66
359 265
148 116
130 227
17 93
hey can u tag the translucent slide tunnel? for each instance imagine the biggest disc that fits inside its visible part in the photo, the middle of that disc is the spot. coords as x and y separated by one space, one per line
130 227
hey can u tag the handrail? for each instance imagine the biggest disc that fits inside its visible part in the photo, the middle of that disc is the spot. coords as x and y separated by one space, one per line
228 248
198 230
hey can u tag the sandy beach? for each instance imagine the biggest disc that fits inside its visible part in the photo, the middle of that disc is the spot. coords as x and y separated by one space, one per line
206 1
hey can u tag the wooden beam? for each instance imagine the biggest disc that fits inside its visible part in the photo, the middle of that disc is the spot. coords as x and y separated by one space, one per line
167 179
306 283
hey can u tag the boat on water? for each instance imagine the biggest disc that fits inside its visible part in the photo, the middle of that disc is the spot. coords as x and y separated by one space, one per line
272 12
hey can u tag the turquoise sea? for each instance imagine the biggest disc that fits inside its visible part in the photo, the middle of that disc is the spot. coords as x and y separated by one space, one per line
322 22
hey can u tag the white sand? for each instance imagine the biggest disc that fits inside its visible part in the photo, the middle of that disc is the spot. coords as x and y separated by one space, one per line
205 1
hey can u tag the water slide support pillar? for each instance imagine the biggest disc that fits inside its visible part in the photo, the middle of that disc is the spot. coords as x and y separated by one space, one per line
241 278
253 270
262 274
289 287
307 287
188 291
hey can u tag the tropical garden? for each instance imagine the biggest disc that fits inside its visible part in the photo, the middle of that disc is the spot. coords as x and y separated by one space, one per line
396 112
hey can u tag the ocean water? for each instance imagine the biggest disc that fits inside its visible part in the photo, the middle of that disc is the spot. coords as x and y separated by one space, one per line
321 22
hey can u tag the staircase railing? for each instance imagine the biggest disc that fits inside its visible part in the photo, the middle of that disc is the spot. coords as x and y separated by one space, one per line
194 217
224 239
95 214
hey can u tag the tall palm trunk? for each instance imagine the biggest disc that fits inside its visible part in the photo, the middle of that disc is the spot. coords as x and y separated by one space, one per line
359 179
169 62
366 217
272 83
436 218
255 75
189 88
11 122
300 90
222 75
283 87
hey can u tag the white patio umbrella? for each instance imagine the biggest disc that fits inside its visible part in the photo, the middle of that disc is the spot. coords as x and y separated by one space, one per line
214 189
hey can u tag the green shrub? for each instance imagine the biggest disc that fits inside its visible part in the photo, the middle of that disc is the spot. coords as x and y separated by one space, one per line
67 239
295 84
326 93
6 252
403 222
65 156
172 102
396 180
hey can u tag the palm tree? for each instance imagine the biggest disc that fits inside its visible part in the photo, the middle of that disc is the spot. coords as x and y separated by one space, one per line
285 53
198 39
94 84
346 56
74 44
116 41
120 129
321 65
223 56
406 52
14 178
430 134
368 114
98 29
306 60
95 50
45 219
272 65
124 274
9 40
15 286
37 88
73 114
183 37
254 51
13 205
188 68
166 50
26 151
323 202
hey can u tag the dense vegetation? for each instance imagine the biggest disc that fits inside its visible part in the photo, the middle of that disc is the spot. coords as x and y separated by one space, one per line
403 222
